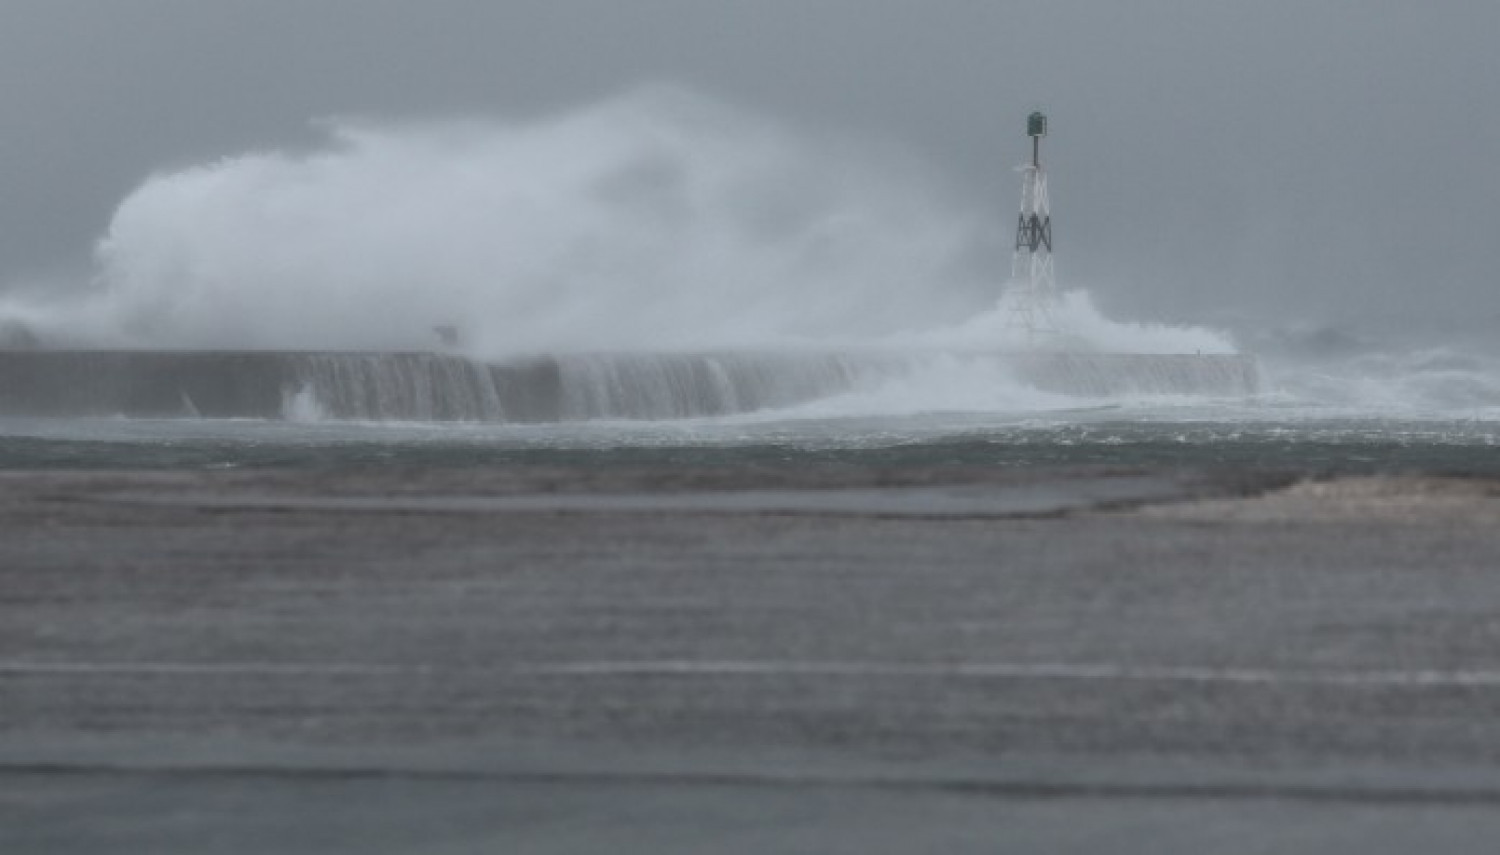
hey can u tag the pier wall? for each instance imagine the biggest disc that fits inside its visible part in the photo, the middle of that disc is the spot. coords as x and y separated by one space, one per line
440 387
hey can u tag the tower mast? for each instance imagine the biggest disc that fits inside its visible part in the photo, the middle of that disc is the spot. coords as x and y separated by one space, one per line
1032 290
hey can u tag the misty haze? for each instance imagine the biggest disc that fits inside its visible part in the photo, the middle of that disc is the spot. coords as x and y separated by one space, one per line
681 426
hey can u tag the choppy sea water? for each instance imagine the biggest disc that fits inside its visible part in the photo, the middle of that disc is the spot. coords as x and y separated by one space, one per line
1431 412
1184 435
867 255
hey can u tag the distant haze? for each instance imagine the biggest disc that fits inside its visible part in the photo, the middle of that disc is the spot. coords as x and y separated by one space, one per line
1291 161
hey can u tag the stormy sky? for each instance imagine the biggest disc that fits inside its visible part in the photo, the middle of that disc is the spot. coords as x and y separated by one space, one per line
1325 160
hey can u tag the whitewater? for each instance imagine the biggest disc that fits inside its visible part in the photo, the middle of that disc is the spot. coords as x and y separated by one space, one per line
839 297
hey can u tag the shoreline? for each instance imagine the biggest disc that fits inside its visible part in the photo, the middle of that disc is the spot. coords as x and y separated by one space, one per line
560 659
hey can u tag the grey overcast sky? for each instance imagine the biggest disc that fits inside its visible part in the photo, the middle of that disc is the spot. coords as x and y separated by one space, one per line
1319 159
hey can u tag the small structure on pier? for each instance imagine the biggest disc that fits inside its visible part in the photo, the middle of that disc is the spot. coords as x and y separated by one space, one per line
1032 291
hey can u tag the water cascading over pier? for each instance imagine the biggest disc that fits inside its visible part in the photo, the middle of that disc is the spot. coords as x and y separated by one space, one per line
187 288
441 387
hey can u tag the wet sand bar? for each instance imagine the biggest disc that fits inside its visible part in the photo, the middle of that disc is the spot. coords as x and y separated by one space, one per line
553 660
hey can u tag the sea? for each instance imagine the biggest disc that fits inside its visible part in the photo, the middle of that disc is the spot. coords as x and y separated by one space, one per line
1425 412
1202 436
664 219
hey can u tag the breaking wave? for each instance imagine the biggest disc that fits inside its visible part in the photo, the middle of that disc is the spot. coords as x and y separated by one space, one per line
656 220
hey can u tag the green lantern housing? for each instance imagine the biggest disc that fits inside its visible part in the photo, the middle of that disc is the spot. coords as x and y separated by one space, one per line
1036 125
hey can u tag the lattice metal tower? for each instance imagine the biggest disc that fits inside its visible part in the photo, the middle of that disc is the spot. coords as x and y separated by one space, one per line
1032 291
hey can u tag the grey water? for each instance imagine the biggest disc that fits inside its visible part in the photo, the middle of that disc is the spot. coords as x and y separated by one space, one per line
1426 411
1188 436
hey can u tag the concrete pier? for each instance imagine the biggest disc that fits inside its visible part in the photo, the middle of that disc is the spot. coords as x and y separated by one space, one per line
545 388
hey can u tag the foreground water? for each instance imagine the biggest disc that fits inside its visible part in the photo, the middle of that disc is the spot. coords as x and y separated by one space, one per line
1189 434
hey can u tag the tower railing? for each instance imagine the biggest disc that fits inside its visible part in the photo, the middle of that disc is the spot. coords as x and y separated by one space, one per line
1032 292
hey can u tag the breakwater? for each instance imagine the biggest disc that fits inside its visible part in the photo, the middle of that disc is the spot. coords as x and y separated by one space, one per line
441 387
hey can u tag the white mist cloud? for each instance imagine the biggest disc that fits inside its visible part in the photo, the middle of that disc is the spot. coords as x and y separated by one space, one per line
658 219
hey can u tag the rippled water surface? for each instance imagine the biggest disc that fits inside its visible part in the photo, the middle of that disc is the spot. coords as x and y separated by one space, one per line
1195 434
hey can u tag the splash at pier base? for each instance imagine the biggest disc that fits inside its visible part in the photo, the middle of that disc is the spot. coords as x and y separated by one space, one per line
419 386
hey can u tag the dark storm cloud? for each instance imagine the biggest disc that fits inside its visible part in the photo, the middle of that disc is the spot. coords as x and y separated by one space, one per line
1287 158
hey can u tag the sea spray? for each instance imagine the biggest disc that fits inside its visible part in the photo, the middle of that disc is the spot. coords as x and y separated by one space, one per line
1080 327
656 220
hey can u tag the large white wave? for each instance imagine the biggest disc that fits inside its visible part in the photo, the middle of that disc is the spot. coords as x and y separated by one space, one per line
655 220
659 219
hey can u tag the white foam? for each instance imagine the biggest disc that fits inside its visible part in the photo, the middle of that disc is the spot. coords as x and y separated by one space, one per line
1420 379
655 220
658 219
1077 324
935 383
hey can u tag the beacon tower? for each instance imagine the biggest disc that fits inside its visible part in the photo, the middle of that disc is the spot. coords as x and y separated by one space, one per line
1032 291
